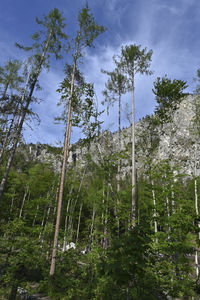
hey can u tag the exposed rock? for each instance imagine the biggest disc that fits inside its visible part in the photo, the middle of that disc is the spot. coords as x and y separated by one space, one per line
173 141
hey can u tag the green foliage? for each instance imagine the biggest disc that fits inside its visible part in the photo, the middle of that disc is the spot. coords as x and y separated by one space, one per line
168 96
89 30
134 60
115 86
52 35
155 259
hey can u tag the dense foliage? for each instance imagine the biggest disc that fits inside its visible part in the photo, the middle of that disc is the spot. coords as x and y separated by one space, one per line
101 252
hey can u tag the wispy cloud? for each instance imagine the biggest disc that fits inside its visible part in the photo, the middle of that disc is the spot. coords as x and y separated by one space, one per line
170 28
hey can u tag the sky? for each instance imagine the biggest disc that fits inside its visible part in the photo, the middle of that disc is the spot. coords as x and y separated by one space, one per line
171 28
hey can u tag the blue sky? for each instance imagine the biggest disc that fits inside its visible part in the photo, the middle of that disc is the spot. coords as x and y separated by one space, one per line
171 28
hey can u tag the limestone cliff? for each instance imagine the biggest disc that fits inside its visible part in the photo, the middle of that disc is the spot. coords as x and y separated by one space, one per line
174 141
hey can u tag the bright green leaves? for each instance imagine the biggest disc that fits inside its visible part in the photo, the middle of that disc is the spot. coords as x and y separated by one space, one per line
169 94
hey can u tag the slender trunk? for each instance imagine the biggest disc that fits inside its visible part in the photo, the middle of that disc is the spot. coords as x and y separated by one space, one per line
102 215
197 214
42 225
56 201
196 261
23 201
33 224
74 206
92 224
119 161
66 219
66 150
173 202
119 144
154 210
105 243
24 111
133 159
11 208
79 221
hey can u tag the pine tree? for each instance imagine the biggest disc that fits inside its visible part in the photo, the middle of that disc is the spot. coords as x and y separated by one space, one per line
88 31
134 60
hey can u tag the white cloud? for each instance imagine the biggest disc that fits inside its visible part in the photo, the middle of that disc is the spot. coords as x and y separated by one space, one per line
158 25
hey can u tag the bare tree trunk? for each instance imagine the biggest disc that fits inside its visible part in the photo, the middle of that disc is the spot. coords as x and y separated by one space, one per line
66 150
11 208
23 201
105 241
119 145
66 219
33 224
74 206
154 213
92 224
133 160
197 214
102 215
42 225
79 221
119 161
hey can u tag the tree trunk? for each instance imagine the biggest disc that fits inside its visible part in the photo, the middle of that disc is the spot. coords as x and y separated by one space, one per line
133 159
119 145
66 150
23 201
66 219
79 221
154 211
92 224
102 215
197 214
24 111
33 224
74 206
105 241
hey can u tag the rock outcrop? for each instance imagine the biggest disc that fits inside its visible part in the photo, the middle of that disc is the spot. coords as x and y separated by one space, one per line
176 141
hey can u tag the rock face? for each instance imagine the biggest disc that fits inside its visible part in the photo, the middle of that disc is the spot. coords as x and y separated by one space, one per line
42 153
175 141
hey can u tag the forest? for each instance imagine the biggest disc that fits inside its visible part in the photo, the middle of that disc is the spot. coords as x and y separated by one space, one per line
105 227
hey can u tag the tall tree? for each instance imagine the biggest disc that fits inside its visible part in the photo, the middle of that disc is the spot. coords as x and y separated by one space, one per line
46 42
116 87
87 32
169 94
9 77
134 60
10 83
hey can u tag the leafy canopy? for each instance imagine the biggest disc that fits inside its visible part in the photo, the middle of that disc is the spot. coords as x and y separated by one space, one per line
169 94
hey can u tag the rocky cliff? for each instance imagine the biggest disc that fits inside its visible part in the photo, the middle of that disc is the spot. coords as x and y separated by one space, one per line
176 141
